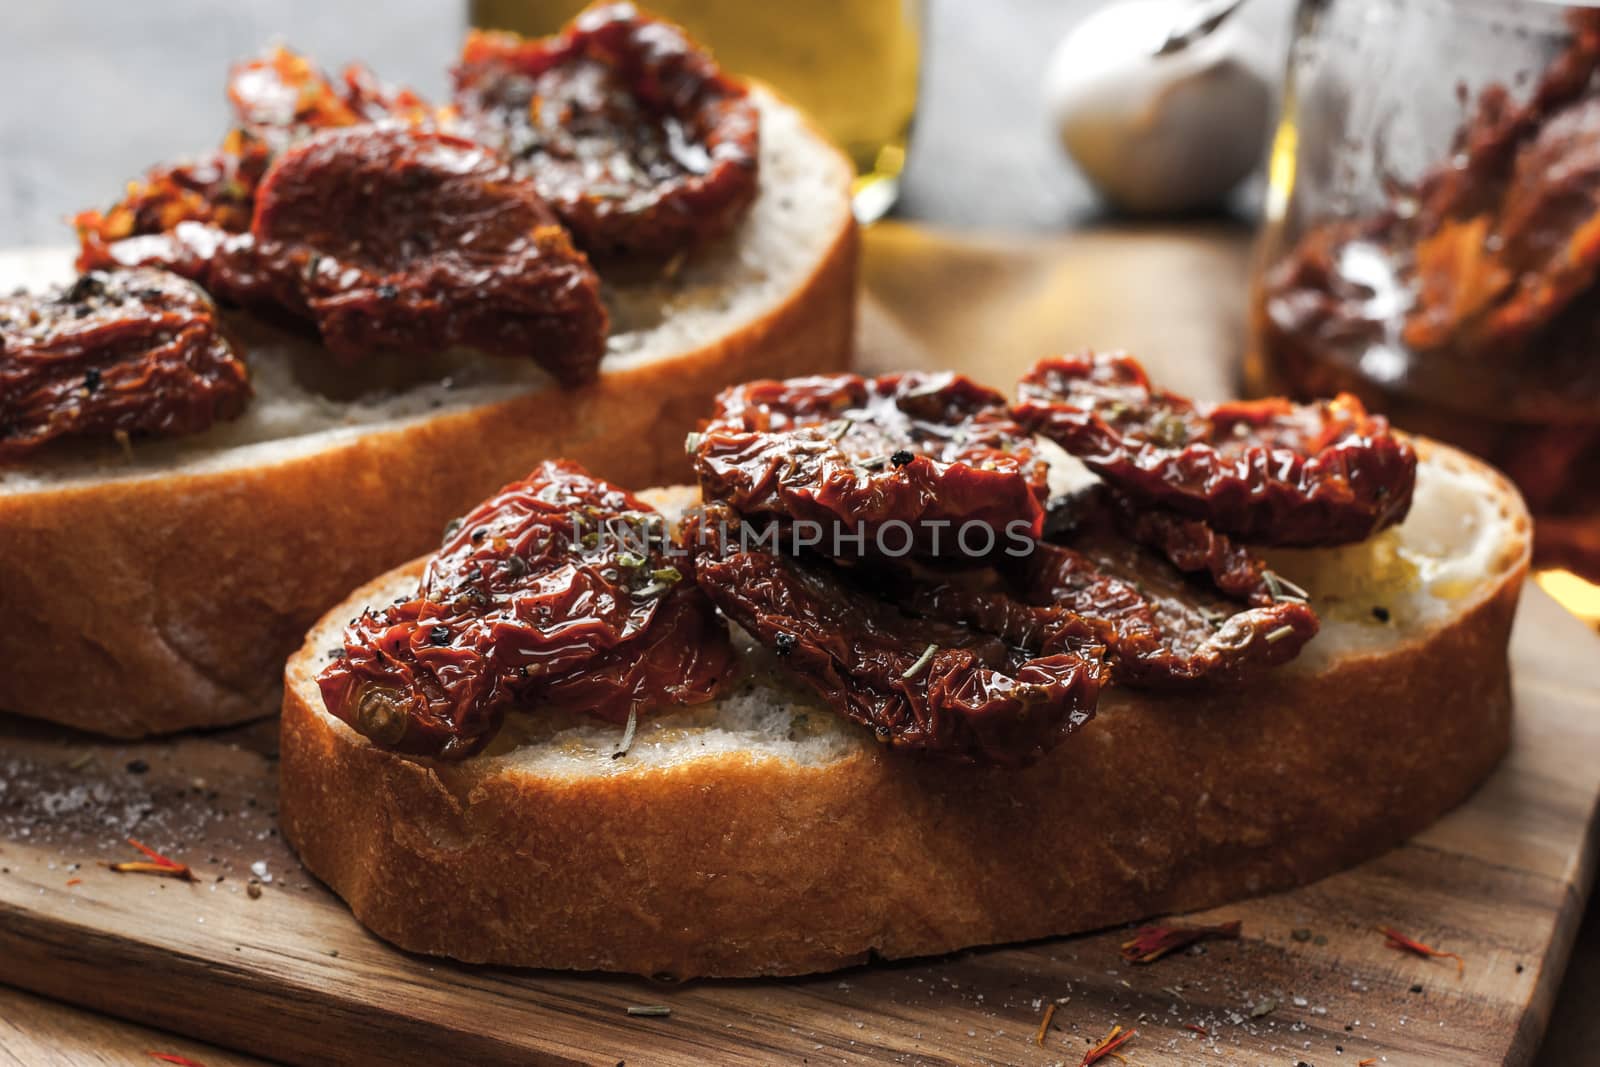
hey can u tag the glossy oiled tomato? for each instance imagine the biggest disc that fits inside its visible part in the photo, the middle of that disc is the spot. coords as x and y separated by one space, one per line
136 352
905 461
558 591
920 683
631 132
1265 471
393 239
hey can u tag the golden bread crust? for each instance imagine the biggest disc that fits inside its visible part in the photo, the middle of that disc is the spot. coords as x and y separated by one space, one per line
736 865
149 605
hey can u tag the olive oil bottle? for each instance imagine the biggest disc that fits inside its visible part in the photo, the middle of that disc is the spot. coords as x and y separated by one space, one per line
851 64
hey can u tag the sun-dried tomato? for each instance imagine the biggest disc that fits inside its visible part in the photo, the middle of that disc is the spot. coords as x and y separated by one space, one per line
1486 147
408 240
392 239
640 143
217 191
1192 547
1158 629
920 684
916 462
1489 282
556 592
1183 602
134 352
1507 228
1486 260
278 98
339 204
1264 471
281 96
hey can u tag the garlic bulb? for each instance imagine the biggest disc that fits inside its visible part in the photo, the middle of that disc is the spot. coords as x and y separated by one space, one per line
1159 134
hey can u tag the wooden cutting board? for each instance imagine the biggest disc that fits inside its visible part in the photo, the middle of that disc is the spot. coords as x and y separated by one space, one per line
290 975
287 974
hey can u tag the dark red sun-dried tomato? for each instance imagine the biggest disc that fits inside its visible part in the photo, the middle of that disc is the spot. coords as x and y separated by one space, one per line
1265 471
282 96
338 204
278 98
636 138
1187 544
1486 147
1176 634
921 684
392 239
928 463
216 191
1183 602
558 592
135 352
415 240
1158 629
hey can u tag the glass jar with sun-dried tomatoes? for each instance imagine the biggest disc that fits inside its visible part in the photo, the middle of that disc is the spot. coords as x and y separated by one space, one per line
1433 237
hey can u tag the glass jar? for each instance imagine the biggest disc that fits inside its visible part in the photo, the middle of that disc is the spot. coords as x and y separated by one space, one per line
1432 237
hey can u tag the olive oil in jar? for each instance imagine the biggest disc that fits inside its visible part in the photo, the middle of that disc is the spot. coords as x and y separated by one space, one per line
1405 127
850 64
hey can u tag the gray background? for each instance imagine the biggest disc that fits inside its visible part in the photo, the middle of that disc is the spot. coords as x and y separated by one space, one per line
97 90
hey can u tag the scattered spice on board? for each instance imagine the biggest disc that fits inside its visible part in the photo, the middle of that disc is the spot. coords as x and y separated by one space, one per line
173 1057
1396 940
157 864
1202 1031
649 1010
1263 1008
74 881
1150 943
1368 1062
1044 1024
1108 1047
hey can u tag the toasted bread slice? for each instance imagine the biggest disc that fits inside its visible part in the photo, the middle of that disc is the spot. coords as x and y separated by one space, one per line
162 589
764 835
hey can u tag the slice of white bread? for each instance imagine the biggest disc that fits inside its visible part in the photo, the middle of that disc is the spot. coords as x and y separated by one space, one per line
162 590
764 835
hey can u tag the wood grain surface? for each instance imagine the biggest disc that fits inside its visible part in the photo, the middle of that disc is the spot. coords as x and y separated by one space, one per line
283 972
35 1032
289 975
